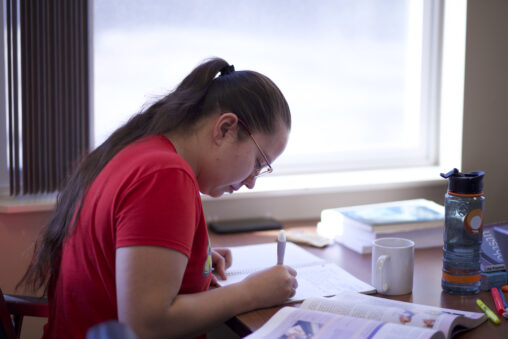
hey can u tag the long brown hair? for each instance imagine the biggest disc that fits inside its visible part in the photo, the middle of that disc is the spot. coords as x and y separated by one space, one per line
252 96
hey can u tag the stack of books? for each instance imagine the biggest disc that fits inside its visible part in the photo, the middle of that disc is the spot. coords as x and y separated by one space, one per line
419 220
491 259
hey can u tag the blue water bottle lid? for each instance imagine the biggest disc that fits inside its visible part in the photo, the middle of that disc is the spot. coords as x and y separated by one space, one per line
464 183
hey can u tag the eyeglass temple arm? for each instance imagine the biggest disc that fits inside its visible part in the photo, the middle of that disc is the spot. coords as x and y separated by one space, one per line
244 126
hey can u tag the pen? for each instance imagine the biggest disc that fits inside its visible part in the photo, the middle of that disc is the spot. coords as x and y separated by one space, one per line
497 300
492 316
502 298
281 247
505 314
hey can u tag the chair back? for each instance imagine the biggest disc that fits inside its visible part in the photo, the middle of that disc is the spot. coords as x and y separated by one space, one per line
6 325
12 310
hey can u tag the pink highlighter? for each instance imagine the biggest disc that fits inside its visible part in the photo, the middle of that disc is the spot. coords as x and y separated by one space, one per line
498 301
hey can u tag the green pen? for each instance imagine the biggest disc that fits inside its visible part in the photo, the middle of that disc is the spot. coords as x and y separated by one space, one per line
492 316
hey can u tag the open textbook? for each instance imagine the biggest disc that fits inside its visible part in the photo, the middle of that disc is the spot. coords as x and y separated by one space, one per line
316 276
354 315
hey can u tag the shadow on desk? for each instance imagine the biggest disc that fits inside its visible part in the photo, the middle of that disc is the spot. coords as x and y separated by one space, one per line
222 332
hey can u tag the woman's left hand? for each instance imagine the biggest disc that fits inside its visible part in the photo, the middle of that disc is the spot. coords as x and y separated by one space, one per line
221 260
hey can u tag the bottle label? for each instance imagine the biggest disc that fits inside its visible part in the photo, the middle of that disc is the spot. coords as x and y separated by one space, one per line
473 222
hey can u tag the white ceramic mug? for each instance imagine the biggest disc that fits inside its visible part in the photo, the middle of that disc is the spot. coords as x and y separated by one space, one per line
392 265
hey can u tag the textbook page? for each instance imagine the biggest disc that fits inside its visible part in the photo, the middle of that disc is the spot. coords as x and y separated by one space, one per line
398 312
315 276
292 322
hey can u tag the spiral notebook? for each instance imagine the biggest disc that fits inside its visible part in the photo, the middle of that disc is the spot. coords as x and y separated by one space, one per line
316 276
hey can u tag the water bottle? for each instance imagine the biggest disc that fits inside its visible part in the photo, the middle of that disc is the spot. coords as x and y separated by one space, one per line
464 204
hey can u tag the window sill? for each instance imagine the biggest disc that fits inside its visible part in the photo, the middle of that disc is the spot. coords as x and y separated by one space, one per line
27 204
298 197
336 182
274 193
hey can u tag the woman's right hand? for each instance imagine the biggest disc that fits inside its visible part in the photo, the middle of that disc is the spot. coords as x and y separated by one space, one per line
271 286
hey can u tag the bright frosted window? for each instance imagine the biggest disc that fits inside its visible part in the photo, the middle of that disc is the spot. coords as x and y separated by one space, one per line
350 70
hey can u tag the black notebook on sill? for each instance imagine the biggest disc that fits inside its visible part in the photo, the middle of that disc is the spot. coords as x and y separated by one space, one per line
244 225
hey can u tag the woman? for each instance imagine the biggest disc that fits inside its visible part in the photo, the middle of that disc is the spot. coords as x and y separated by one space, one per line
128 239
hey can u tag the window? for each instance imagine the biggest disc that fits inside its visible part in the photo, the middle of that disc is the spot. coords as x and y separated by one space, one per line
141 50
352 71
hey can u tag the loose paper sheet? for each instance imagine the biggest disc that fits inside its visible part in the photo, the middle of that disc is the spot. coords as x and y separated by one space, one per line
316 276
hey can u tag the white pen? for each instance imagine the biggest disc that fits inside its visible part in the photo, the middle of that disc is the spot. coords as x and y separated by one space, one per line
281 247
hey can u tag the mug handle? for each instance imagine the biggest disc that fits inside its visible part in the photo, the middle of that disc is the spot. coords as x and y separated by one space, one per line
380 276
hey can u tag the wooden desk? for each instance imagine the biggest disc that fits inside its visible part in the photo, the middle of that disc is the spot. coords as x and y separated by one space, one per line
426 283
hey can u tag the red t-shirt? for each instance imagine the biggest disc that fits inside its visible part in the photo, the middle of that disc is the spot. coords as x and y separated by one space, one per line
146 195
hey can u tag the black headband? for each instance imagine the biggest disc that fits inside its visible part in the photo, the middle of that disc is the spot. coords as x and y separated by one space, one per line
227 70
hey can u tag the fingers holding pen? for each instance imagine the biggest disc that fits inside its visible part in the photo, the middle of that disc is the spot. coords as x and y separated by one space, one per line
284 283
293 280
291 270
272 286
289 284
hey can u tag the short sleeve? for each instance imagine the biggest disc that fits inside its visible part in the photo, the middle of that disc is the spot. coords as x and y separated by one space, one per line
158 210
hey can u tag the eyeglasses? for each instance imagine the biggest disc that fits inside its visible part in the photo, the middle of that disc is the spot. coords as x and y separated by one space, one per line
258 171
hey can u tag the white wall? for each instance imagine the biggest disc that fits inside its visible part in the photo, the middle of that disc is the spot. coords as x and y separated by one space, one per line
485 134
